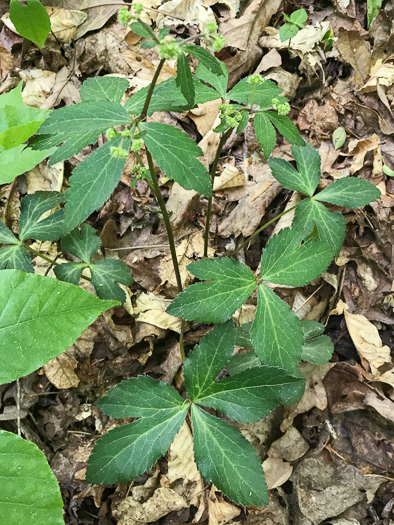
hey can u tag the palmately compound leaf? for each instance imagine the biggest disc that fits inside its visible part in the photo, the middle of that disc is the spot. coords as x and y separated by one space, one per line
176 154
104 88
70 272
36 310
349 192
331 227
240 362
226 459
286 128
286 261
219 82
18 160
72 143
105 276
205 58
263 94
317 348
276 331
31 224
140 396
92 183
128 451
265 133
214 302
15 258
184 79
30 492
208 359
82 242
22 16
6 235
249 396
306 179
85 117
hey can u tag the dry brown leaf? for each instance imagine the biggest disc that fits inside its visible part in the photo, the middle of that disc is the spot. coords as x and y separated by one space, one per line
151 309
6 62
204 115
66 87
385 407
45 178
230 177
61 371
220 511
189 11
353 49
381 74
359 148
269 60
276 472
38 86
144 69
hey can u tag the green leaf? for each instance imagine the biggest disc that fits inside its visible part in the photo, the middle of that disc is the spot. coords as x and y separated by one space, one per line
264 93
317 348
219 82
13 97
265 133
214 302
286 261
276 331
175 153
31 20
73 145
287 31
148 44
349 192
15 258
240 362
243 122
6 235
128 451
92 183
163 33
83 243
249 396
85 116
140 30
31 226
105 274
286 128
373 8
208 359
299 17
225 458
140 396
104 88
18 123
205 58
18 160
184 79
35 310
242 335
70 272
331 226
29 492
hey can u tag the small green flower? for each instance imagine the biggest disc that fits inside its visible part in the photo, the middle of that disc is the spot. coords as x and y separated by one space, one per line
138 9
275 103
218 43
137 144
211 27
110 133
124 16
169 49
284 108
256 79
119 153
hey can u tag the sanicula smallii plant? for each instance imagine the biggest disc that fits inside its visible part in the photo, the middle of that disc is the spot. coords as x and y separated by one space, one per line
257 381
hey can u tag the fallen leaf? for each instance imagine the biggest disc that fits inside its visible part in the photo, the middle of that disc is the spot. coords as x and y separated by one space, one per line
269 60
385 407
65 87
353 49
61 371
276 472
359 148
45 178
189 11
220 511
204 115
6 62
151 309
38 85
230 177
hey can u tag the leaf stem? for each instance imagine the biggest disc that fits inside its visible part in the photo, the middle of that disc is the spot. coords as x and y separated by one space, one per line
261 229
155 78
150 30
214 166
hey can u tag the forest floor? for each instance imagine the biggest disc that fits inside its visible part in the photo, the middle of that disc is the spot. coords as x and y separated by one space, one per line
330 457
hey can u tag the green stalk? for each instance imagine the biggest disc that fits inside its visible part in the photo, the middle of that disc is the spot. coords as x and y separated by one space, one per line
214 166
150 91
261 229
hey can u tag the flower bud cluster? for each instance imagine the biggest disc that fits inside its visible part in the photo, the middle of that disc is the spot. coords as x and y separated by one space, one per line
230 115
282 109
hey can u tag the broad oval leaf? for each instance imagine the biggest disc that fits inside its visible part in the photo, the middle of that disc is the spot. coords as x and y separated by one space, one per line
31 21
130 450
226 459
40 317
104 88
214 302
20 159
349 192
29 492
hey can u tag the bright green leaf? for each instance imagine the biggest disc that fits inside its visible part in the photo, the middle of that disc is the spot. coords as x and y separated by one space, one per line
15 258
140 396
219 82
214 302
264 93
18 123
184 79
299 17
104 88
265 133
105 274
29 491
208 359
205 58
176 154
287 31
225 458
31 226
309 165
286 128
140 30
350 192
276 331
31 21
373 8
18 160
286 261
128 451
35 310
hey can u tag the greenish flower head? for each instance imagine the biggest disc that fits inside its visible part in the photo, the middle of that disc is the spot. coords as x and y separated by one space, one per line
284 108
256 79
110 133
137 144
218 43
275 103
169 49
124 16
125 133
210 28
231 116
138 9
119 153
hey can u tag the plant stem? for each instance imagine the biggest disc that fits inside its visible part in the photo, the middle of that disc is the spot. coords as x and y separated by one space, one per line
170 235
261 229
215 163
149 29
150 91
